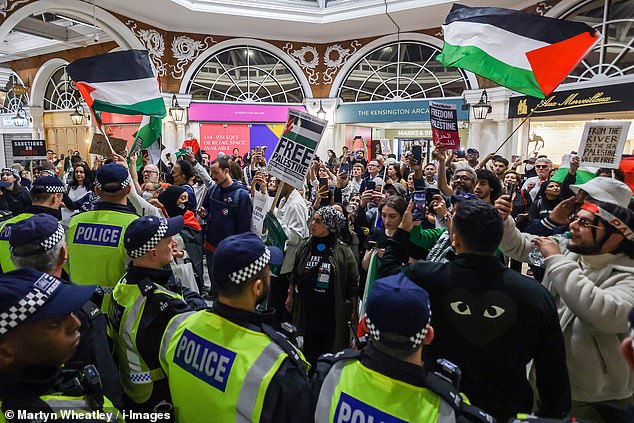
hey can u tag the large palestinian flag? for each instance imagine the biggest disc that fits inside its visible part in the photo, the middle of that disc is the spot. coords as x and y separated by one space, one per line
529 54
121 82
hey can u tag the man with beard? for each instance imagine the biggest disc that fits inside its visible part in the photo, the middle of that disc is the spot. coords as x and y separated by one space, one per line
242 369
463 180
593 286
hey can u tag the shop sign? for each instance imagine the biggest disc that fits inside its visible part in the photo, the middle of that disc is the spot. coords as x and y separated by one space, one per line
204 112
393 111
11 121
31 149
602 143
413 133
218 138
607 98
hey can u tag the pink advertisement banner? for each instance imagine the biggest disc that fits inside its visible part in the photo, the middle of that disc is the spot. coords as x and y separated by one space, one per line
203 112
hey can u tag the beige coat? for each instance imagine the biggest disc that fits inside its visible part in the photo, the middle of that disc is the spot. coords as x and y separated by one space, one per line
594 295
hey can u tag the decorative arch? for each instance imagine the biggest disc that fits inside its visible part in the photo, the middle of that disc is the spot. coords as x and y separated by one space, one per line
120 33
612 59
433 42
196 65
41 79
14 101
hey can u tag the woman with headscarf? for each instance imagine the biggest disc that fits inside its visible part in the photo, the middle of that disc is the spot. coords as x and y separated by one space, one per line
174 200
323 286
16 196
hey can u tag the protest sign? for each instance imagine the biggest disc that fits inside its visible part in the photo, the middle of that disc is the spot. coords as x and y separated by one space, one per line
28 149
294 152
275 237
602 143
100 146
444 125
386 148
261 205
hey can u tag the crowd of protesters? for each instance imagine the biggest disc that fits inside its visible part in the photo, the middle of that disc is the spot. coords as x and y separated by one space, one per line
528 335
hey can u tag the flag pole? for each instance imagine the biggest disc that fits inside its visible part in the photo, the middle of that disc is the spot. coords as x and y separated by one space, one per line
107 139
541 103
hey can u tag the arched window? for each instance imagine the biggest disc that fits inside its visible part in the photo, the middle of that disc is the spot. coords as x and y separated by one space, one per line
61 93
16 97
402 71
613 56
246 74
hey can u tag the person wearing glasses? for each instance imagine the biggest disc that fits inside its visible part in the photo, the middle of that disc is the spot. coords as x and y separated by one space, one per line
543 166
593 285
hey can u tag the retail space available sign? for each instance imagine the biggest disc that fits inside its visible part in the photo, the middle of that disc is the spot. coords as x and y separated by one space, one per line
294 152
602 143
216 138
28 149
394 111
444 125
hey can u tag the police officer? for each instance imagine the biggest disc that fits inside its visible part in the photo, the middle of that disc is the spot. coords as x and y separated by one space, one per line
47 194
140 309
386 381
228 362
38 333
95 238
38 243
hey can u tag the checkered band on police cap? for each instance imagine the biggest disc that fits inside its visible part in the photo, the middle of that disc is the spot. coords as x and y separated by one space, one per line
124 184
12 171
53 189
29 250
24 309
416 340
246 273
150 243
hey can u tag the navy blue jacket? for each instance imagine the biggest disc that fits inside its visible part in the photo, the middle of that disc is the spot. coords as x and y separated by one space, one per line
229 213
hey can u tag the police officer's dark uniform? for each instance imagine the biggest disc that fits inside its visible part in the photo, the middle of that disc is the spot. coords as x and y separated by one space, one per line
36 236
43 185
228 362
33 303
143 302
374 385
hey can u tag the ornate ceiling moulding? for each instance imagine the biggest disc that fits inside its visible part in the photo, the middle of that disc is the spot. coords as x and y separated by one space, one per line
8 6
185 50
154 43
335 57
307 57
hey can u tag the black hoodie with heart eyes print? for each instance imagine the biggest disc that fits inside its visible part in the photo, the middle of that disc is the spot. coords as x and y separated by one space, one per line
491 321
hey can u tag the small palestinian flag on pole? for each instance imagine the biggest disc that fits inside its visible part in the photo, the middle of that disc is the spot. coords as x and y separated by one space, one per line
527 53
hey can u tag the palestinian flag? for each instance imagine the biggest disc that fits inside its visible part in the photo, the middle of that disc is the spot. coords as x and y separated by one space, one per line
148 138
529 54
195 147
122 82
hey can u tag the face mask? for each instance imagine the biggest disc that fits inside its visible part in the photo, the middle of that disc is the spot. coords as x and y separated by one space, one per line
147 195
529 167
182 206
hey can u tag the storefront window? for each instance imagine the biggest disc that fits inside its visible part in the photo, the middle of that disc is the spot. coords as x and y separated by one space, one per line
16 95
613 56
61 93
246 74
402 71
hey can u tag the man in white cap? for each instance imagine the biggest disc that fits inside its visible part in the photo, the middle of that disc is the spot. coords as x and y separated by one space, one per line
593 286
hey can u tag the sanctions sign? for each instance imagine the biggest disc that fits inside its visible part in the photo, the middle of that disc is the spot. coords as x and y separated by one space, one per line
295 150
444 125
602 143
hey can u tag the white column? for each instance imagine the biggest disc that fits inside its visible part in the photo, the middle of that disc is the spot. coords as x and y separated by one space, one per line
37 115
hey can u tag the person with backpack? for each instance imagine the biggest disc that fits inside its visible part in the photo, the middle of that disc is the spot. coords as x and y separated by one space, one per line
227 209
